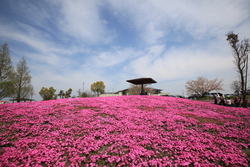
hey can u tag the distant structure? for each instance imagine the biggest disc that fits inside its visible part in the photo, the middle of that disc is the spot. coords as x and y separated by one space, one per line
24 100
138 81
142 81
126 92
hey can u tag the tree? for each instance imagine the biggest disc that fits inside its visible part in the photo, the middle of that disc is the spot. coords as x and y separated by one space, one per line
61 94
236 86
84 94
79 92
240 50
98 87
47 93
6 72
68 93
202 85
136 89
22 87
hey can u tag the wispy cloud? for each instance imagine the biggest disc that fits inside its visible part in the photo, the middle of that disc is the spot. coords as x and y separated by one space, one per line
81 20
158 19
181 63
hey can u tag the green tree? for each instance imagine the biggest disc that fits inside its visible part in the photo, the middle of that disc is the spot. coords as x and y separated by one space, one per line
240 50
6 72
47 93
61 94
21 79
98 87
68 93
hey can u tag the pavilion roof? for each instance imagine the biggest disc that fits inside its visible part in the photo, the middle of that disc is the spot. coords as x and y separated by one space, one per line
139 81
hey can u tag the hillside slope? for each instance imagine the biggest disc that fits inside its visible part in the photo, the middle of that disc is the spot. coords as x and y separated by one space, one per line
123 131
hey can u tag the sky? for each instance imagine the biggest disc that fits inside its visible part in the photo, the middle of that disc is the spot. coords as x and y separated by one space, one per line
72 44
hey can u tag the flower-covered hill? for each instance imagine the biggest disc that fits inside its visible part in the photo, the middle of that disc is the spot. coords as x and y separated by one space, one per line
123 131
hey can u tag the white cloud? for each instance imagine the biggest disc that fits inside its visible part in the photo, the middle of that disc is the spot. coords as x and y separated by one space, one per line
156 19
112 57
81 20
181 63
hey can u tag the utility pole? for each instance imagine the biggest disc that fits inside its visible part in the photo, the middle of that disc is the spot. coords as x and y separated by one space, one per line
83 87
246 78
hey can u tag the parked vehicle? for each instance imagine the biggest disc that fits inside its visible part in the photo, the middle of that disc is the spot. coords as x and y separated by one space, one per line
208 95
228 95
193 96
180 96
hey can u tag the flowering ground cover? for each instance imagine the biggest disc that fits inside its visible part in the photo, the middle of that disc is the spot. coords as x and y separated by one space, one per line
123 131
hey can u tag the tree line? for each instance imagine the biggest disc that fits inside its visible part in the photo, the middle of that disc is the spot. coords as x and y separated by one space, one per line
49 93
97 88
14 82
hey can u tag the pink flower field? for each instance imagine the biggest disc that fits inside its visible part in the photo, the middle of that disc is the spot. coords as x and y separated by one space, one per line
123 131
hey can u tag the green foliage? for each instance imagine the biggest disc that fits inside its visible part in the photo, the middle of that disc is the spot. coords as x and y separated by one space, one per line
232 39
61 94
84 94
98 87
21 80
6 89
47 93
66 94
14 83
6 72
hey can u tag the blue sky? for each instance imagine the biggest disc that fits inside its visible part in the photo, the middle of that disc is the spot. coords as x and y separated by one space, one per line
68 42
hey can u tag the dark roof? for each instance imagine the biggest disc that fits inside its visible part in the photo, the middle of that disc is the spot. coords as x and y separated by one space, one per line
22 99
139 81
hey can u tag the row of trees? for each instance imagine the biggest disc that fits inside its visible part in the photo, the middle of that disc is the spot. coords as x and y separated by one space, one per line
97 88
240 49
49 93
14 82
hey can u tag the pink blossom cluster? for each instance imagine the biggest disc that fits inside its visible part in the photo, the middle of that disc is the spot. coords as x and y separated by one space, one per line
123 131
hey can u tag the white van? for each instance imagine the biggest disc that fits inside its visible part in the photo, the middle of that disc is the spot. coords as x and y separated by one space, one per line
208 95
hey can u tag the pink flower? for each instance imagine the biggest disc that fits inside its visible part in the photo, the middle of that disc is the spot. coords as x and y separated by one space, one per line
150 130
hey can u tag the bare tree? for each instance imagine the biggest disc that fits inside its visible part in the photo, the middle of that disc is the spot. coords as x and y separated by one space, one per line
22 82
240 50
136 89
202 86
236 86
79 92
